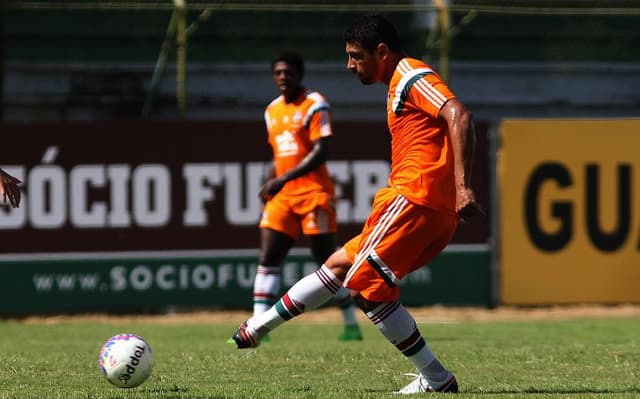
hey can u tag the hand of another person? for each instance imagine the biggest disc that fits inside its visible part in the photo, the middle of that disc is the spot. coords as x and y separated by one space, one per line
271 188
9 189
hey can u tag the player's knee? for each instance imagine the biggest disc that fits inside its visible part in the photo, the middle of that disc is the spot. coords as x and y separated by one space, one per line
339 264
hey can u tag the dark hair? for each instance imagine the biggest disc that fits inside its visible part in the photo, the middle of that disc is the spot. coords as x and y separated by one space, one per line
370 30
290 58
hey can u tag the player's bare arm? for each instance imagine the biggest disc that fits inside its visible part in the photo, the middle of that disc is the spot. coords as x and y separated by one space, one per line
270 173
316 157
463 137
9 189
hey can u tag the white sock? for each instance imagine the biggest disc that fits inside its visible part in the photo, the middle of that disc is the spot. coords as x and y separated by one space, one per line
345 303
399 327
266 288
309 292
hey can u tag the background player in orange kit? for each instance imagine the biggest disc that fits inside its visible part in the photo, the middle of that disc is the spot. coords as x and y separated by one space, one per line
412 220
299 194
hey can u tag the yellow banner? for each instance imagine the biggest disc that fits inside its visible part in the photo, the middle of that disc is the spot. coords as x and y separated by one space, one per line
569 211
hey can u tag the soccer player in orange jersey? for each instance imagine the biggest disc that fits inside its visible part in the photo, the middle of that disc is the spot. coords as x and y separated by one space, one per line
412 220
299 193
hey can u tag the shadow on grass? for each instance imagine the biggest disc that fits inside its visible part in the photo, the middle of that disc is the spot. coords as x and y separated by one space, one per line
531 391
182 392
178 392
550 391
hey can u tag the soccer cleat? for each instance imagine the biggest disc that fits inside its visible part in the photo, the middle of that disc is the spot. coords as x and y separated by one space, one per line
351 333
244 338
421 385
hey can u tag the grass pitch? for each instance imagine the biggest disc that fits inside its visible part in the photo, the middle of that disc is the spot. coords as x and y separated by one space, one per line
573 358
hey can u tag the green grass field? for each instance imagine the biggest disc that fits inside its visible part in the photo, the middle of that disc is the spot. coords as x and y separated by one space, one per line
575 358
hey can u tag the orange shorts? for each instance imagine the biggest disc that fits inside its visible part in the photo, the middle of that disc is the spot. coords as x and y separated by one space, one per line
398 238
312 214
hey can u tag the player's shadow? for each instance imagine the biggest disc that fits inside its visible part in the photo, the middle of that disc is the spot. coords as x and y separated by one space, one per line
528 391
550 391
183 393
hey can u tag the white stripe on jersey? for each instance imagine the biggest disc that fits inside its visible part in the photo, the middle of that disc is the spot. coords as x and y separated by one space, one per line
390 214
318 103
267 116
430 93
267 119
404 66
424 87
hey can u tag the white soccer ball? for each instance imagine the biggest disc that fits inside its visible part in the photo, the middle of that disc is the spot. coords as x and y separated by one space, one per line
126 360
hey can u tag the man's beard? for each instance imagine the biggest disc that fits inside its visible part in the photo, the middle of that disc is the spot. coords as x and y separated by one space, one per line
365 80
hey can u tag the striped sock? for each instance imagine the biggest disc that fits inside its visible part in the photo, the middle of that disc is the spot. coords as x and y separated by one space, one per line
266 288
310 292
399 327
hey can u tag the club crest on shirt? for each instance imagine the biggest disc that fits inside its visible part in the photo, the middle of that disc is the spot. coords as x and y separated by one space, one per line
286 144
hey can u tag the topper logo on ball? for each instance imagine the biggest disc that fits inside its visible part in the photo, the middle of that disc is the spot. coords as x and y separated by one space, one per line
131 367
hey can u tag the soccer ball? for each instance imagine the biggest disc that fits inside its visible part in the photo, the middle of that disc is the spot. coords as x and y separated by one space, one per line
126 360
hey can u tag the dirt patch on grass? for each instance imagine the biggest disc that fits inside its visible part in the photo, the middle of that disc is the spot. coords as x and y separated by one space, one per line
430 314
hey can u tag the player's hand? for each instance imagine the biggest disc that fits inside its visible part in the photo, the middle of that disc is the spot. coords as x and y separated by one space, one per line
9 189
271 188
466 206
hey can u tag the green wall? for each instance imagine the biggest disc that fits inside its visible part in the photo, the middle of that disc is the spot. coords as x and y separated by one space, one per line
127 282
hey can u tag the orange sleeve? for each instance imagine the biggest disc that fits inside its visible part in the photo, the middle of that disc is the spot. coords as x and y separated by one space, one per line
320 125
318 118
430 94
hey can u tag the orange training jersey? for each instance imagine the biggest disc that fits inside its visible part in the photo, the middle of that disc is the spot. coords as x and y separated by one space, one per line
421 153
292 128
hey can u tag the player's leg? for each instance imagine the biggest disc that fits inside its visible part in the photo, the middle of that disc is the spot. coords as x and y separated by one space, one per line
274 247
398 238
308 293
398 326
279 228
322 246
